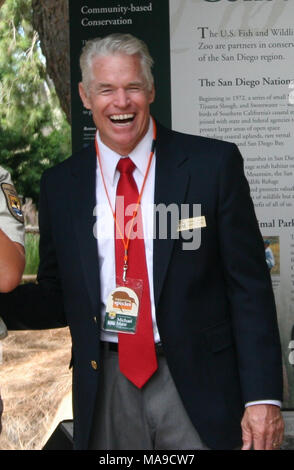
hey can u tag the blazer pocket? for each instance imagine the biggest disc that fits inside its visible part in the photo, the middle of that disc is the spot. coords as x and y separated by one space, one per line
219 337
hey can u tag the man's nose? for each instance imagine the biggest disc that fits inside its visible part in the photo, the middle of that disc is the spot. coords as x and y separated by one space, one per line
121 98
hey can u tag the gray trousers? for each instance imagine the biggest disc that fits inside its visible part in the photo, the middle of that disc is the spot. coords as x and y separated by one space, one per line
151 418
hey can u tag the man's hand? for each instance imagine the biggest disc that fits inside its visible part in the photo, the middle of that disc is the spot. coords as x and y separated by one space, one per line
262 427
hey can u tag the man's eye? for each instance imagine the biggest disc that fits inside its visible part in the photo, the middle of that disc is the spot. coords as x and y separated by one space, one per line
103 91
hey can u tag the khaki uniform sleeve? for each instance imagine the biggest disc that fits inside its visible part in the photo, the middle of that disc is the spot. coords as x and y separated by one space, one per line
11 216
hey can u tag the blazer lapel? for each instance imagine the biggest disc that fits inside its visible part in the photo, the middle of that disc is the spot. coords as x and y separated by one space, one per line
83 202
171 184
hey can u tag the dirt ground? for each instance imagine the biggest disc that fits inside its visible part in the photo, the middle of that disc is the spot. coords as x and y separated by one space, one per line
35 384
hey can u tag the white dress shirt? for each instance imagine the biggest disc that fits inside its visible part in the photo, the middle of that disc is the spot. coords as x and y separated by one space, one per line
105 222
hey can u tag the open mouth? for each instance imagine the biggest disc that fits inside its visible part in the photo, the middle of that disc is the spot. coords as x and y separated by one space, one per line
122 118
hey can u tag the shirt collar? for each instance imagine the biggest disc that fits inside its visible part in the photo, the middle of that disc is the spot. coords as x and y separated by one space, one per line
140 155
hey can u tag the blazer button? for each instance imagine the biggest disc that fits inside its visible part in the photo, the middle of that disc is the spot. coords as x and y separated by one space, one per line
94 365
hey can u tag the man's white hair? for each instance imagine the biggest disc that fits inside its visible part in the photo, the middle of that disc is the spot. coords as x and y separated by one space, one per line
115 44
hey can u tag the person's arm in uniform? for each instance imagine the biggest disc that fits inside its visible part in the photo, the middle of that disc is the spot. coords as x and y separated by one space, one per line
12 254
12 257
12 261
38 305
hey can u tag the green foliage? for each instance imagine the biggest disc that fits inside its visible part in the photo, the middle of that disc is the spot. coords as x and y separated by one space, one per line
27 157
32 253
34 134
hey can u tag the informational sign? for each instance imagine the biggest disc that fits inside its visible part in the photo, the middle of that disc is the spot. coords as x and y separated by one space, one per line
223 69
238 85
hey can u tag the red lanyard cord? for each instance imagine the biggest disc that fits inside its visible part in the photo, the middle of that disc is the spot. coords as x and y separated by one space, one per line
126 243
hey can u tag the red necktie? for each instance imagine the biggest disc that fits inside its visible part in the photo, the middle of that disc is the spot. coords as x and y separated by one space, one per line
137 357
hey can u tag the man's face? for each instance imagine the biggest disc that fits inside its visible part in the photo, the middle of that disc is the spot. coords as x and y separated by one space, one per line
119 100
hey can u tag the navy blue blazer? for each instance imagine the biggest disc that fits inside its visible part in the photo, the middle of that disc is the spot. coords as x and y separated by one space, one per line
215 307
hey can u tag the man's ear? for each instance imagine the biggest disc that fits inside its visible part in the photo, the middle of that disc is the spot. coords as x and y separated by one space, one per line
152 95
83 96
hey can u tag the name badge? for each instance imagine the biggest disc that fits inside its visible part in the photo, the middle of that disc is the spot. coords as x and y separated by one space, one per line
190 224
122 308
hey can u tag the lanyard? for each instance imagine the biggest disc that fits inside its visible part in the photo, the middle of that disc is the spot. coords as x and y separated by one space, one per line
127 241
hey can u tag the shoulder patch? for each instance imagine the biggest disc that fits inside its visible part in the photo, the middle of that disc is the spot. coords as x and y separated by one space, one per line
13 201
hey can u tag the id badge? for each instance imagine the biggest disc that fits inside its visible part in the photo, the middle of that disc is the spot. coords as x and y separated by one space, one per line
123 306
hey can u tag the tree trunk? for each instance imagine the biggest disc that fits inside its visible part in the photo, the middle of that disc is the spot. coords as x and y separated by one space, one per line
51 20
